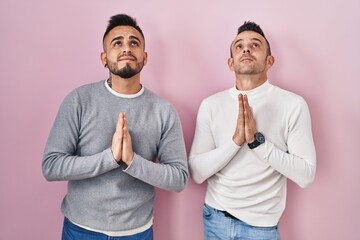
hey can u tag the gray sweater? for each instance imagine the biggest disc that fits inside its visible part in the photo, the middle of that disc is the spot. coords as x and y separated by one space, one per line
101 193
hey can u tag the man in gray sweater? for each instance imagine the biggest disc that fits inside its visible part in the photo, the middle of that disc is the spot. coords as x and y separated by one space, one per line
105 141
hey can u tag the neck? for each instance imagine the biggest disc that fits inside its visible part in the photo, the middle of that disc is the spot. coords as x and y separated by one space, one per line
125 86
248 82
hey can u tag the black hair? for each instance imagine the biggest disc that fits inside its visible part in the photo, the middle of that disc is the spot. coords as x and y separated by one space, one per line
122 20
252 26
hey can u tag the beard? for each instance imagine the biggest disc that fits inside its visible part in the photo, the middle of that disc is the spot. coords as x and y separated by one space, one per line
127 71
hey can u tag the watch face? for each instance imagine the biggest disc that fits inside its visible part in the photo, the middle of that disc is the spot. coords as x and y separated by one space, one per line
259 137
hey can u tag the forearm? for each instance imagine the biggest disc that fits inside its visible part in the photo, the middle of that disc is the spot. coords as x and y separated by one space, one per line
64 167
204 164
171 176
299 167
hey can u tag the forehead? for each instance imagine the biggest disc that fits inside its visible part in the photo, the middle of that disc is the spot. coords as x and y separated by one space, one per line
248 36
123 31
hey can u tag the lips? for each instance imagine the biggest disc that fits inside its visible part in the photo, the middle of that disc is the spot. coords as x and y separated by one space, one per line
247 58
127 58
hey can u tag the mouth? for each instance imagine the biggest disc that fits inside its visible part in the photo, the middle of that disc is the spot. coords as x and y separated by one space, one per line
126 58
247 59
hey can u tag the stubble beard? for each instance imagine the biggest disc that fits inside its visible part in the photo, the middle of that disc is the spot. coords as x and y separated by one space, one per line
127 71
251 70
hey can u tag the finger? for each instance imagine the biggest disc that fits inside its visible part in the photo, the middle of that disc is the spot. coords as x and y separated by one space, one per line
247 108
250 128
239 136
241 101
126 136
241 108
126 133
128 152
240 97
117 141
124 119
246 102
120 123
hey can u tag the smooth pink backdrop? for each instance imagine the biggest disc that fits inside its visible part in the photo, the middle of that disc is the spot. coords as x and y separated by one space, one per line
47 48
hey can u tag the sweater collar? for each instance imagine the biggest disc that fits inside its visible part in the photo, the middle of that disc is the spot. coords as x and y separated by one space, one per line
253 93
124 95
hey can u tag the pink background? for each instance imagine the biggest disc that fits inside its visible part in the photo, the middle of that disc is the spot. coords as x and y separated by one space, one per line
50 47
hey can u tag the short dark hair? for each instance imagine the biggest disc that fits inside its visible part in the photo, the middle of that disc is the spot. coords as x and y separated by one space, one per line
252 26
122 20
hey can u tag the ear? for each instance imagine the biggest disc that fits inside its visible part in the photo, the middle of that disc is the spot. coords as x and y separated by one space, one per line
145 58
103 59
270 62
231 63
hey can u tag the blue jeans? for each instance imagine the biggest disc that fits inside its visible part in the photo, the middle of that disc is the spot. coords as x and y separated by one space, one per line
73 232
217 226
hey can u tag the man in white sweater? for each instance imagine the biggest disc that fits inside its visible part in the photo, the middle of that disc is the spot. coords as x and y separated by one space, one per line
248 141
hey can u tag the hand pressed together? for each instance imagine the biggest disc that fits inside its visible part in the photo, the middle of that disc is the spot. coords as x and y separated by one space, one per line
121 146
245 125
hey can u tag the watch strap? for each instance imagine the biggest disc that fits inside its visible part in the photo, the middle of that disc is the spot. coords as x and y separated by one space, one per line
258 140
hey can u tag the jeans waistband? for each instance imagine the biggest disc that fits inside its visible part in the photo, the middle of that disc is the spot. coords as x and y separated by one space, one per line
228 215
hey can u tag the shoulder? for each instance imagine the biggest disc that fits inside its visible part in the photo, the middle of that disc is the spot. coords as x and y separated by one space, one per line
287 96
152 98
87 91
83 94
289 101
90 88
217 99
157 103
219 96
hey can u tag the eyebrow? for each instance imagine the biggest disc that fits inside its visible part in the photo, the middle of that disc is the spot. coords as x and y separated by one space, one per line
253 39
121 38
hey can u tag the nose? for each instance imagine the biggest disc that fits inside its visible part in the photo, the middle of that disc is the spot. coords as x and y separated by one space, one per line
126 49
246 50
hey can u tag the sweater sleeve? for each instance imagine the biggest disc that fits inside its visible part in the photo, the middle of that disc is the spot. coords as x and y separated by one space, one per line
206 159
60 161
171 173
298 163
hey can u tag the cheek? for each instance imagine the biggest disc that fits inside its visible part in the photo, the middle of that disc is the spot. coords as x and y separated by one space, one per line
112 55
141 57
113 52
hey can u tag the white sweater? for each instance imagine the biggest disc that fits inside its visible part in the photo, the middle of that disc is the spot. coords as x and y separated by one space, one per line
251 184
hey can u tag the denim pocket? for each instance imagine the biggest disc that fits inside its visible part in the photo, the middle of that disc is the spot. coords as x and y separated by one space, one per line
207 211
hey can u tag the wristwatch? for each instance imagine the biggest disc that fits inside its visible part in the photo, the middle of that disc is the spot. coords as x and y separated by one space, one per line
258 139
